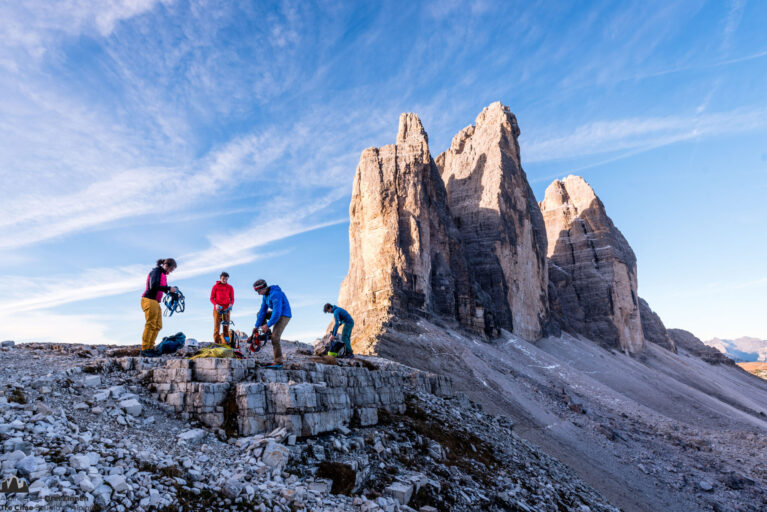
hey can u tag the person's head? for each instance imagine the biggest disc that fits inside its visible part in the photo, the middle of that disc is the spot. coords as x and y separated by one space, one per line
224 277
167 264
328 308
260 287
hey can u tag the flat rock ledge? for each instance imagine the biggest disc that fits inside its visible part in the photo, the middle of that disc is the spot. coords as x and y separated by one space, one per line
307 399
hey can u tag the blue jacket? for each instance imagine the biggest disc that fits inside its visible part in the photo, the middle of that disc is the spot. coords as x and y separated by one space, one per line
277 302
342 317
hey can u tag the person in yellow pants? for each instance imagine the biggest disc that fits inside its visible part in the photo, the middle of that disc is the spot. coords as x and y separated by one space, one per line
156 286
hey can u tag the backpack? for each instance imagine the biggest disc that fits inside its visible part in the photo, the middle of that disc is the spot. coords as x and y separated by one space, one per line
337 349
171 344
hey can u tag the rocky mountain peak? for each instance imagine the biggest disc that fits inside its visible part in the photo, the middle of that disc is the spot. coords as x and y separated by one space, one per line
411 131
472 253
499 222
571 192
593 268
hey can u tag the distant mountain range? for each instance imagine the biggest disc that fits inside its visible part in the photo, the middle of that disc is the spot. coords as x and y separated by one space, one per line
745 349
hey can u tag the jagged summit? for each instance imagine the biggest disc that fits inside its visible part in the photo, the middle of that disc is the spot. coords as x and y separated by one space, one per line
411 131
593 268
461 239
500 225
573 192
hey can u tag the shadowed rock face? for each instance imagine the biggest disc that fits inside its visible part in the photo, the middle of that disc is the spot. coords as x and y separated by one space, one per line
687 341
500 225
592 267
405 257
653 328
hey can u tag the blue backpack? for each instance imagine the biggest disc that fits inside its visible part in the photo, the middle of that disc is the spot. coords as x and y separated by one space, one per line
171 344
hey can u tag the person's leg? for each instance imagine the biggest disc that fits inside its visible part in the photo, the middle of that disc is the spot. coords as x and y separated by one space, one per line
346 337
216 325
226 328
276 336
146 336
155 321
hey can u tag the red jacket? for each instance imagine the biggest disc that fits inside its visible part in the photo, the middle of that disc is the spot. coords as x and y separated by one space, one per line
222 294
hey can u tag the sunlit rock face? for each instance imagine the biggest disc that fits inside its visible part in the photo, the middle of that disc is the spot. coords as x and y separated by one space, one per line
592 267
500 225
405 256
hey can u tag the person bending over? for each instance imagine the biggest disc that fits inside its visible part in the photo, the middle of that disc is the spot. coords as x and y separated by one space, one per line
342 317
273 299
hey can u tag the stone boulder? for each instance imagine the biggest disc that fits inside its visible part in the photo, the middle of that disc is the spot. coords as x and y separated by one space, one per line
596 273
500 225
653 328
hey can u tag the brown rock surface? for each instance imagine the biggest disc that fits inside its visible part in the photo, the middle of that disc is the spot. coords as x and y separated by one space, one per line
653 328
500 224
405 258
593 268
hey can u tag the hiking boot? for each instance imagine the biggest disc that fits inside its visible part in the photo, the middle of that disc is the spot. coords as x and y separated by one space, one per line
150 353
348 355
275 366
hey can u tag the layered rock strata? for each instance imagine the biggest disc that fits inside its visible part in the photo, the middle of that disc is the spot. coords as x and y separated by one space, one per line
239 396
469 254
405 255
501 227
652 327
592 267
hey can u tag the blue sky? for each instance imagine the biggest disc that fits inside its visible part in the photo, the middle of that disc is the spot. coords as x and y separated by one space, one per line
226 135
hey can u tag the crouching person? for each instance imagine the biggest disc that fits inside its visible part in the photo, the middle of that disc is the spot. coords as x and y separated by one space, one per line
274 314
342 317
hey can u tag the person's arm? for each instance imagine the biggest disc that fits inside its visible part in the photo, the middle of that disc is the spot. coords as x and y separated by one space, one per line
261 313
278 305
336 315
213 295
231 296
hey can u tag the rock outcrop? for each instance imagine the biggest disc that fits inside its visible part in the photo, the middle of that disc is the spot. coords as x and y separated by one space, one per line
687 341
469 254
652 327
500 225
405 255
307 400
592 266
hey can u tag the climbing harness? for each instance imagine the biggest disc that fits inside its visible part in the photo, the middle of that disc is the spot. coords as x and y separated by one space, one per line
174 303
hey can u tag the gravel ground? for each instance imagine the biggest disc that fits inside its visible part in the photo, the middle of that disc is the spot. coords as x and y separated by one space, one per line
86 435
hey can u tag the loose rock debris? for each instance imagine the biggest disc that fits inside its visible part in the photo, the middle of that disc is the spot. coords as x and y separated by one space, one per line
96 434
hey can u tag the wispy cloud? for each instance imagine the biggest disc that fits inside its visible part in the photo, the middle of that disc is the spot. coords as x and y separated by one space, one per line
32 24
230 250
640 134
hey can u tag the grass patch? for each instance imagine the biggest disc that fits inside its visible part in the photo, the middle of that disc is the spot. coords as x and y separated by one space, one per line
465 449
17 396
124 352
326 359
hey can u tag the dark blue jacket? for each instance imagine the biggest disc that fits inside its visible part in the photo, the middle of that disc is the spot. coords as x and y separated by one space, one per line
342 317
277 302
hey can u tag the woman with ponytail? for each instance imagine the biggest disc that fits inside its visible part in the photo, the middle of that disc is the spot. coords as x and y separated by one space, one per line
156 285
